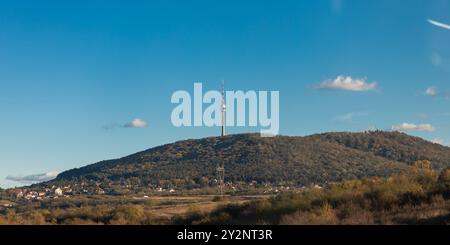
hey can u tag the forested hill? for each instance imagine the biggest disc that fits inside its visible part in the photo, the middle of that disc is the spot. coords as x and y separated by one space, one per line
393 145
247 157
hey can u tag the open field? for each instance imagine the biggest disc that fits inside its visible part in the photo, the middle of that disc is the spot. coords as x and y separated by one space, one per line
169 206
87 209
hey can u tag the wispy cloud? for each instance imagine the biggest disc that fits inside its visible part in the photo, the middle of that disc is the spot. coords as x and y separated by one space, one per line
431 91
349 117
347 83
111 126
439 24
413 127
34 178
436 59
135 123
422 115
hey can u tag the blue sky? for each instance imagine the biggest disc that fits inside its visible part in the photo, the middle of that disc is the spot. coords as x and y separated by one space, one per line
73 74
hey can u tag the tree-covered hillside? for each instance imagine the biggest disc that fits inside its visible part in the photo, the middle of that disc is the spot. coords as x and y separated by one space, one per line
393 145
248 157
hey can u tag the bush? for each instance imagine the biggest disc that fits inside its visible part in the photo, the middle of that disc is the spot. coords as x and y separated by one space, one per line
413 198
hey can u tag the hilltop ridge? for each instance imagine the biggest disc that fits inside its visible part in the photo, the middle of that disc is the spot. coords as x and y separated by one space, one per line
318 158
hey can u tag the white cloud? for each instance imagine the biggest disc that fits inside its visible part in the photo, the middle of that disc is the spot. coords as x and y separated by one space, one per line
34 178
439 24
413 127
136 123
435 92
431 91
347 83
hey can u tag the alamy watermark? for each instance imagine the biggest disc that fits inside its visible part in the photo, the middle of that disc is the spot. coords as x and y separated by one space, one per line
241 109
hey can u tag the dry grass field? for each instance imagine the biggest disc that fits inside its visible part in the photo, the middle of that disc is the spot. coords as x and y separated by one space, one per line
169 206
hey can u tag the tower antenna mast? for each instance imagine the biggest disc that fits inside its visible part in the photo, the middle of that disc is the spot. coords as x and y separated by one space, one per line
220 167
224 109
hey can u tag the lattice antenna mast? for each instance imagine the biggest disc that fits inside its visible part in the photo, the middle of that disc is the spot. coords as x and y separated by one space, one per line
224 109
220 167
221 179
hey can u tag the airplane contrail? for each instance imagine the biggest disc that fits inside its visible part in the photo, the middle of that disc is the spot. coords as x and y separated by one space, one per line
439 24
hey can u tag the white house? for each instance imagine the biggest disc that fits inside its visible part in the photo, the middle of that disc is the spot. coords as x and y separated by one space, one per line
58 192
